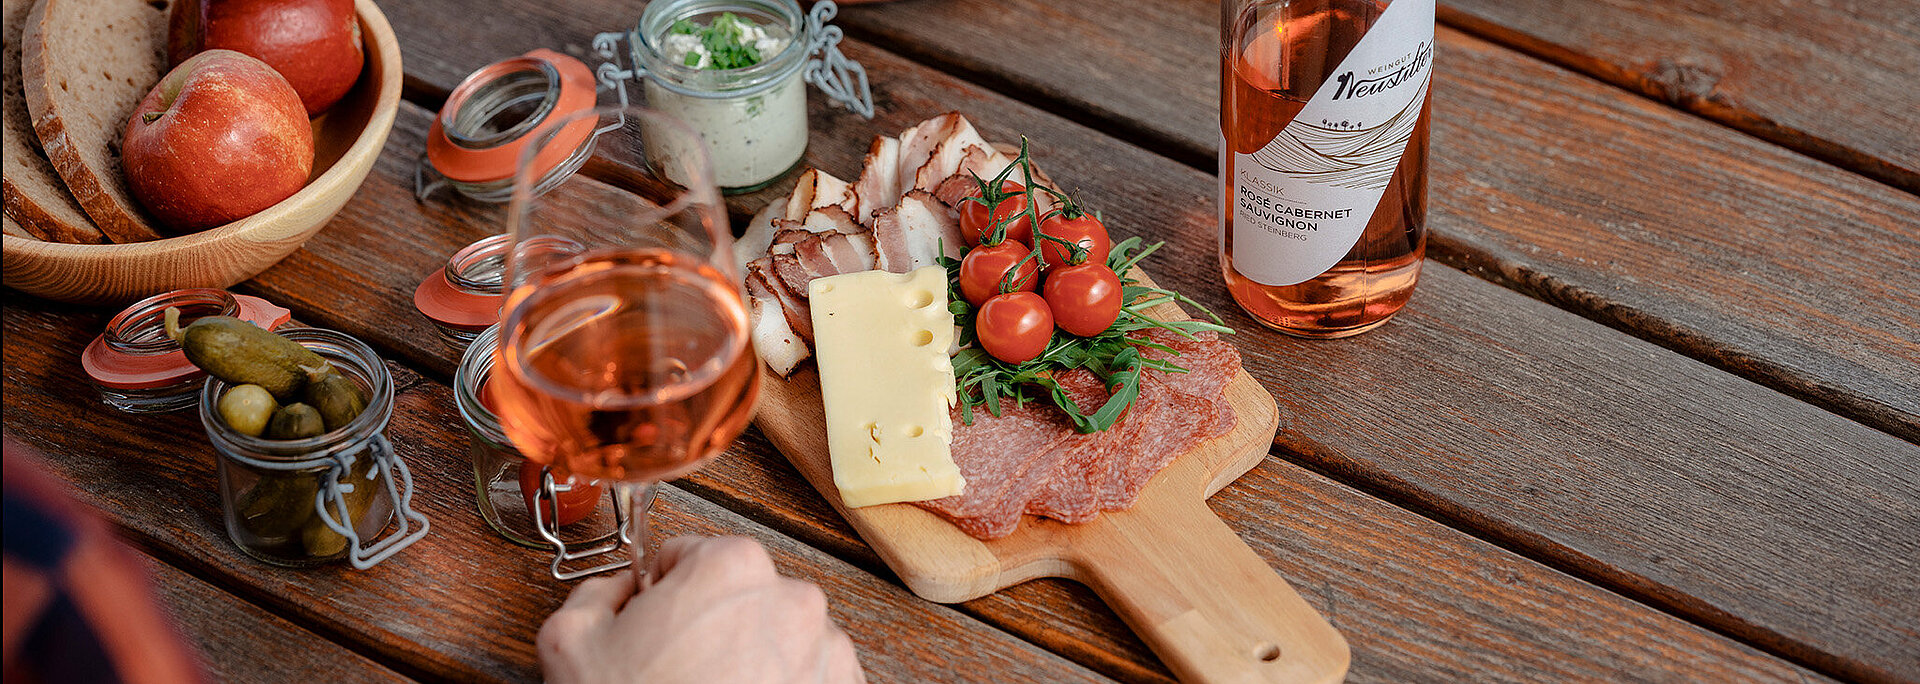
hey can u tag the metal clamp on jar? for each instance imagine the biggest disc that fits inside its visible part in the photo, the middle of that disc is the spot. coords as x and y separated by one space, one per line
578 521
138 369
753 118
305 501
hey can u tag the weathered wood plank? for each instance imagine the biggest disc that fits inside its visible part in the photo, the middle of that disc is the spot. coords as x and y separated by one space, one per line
760 484
462 604
1831 80
1421 602
241 642
1760 261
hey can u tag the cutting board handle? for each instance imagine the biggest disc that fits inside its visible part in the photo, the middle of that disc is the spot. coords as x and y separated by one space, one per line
1203 600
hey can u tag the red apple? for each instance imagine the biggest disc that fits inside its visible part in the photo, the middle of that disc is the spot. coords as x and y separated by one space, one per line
314 43
221 137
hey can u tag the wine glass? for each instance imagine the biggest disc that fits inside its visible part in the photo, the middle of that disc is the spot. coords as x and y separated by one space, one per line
624 353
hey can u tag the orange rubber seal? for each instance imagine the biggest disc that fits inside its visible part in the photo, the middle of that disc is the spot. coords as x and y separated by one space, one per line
439 300
113 368
485 164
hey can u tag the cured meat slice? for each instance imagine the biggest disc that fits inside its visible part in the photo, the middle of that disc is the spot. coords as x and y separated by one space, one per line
1073 477
761 277
915 234
832 218
758 238
816 189
774 339
946 156
917 145
879 182
833 253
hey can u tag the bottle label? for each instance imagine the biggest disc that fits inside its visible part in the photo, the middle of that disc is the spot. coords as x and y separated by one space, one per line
1303 201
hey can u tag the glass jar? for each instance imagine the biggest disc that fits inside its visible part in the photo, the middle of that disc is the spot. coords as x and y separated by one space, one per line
752 119
475 142
501 476
463 297
136 368
301 502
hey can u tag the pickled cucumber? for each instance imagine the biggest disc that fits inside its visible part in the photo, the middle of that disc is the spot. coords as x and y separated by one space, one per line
278 506
247 408
320 540
295 421
242 353
338 398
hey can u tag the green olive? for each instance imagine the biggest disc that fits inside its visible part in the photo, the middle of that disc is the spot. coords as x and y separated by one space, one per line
338 398
247 408
295 421
242 353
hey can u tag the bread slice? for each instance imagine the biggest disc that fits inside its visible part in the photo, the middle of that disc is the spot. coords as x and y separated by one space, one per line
86 64
37 204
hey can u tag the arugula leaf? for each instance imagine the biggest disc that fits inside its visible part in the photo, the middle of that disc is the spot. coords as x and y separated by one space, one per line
1115 356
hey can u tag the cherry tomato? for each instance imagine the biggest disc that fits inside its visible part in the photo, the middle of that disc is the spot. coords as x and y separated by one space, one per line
1083 230
1012 211
1014 327
575 504
1084 298
985 266
975 220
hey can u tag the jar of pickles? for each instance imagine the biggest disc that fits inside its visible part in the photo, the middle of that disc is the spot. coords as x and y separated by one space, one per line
520 499
136 368
309 500
463 298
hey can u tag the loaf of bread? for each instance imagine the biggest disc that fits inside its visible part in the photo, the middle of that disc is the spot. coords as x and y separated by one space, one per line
37 203
85 65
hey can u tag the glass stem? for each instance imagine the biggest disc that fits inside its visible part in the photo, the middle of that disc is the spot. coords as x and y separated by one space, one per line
636 498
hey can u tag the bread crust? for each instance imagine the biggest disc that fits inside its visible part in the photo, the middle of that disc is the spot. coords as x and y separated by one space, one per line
100 191
36 200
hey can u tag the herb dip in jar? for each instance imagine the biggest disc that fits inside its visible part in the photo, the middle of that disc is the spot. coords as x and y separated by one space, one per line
732 71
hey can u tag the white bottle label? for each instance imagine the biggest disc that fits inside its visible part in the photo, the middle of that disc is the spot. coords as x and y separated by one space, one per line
1302 202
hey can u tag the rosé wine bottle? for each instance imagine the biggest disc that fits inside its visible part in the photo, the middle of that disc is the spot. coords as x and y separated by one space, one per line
1323 159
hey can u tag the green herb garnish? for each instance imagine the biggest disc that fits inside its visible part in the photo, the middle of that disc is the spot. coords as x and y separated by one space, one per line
1114 356
725 41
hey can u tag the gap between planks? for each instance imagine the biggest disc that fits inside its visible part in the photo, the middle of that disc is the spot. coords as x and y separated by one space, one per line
430 96
1477 263
867 563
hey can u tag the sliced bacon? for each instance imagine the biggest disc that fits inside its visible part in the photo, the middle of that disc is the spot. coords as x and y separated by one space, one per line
816 189
917 145
773 337
761 278
915 233
832 253
832 218
878 185
758 238
947 155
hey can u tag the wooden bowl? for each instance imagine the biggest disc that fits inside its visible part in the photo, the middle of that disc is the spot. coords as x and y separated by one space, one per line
347 139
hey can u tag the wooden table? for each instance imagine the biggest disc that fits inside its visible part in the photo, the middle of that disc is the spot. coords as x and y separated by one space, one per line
1652 414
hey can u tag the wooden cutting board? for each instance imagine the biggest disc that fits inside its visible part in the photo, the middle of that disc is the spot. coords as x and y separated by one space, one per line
1198 595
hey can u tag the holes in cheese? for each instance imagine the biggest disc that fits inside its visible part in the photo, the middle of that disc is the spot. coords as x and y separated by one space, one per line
887 384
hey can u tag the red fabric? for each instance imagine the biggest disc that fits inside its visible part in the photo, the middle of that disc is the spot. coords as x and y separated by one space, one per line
78 605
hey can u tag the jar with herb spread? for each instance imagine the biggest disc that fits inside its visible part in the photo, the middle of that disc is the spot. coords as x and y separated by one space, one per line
736 72
520 499
308 500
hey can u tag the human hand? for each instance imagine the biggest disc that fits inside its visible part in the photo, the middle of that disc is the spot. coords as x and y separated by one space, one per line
715 612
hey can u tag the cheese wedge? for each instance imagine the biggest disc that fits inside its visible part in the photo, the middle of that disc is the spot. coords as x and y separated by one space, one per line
887 383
